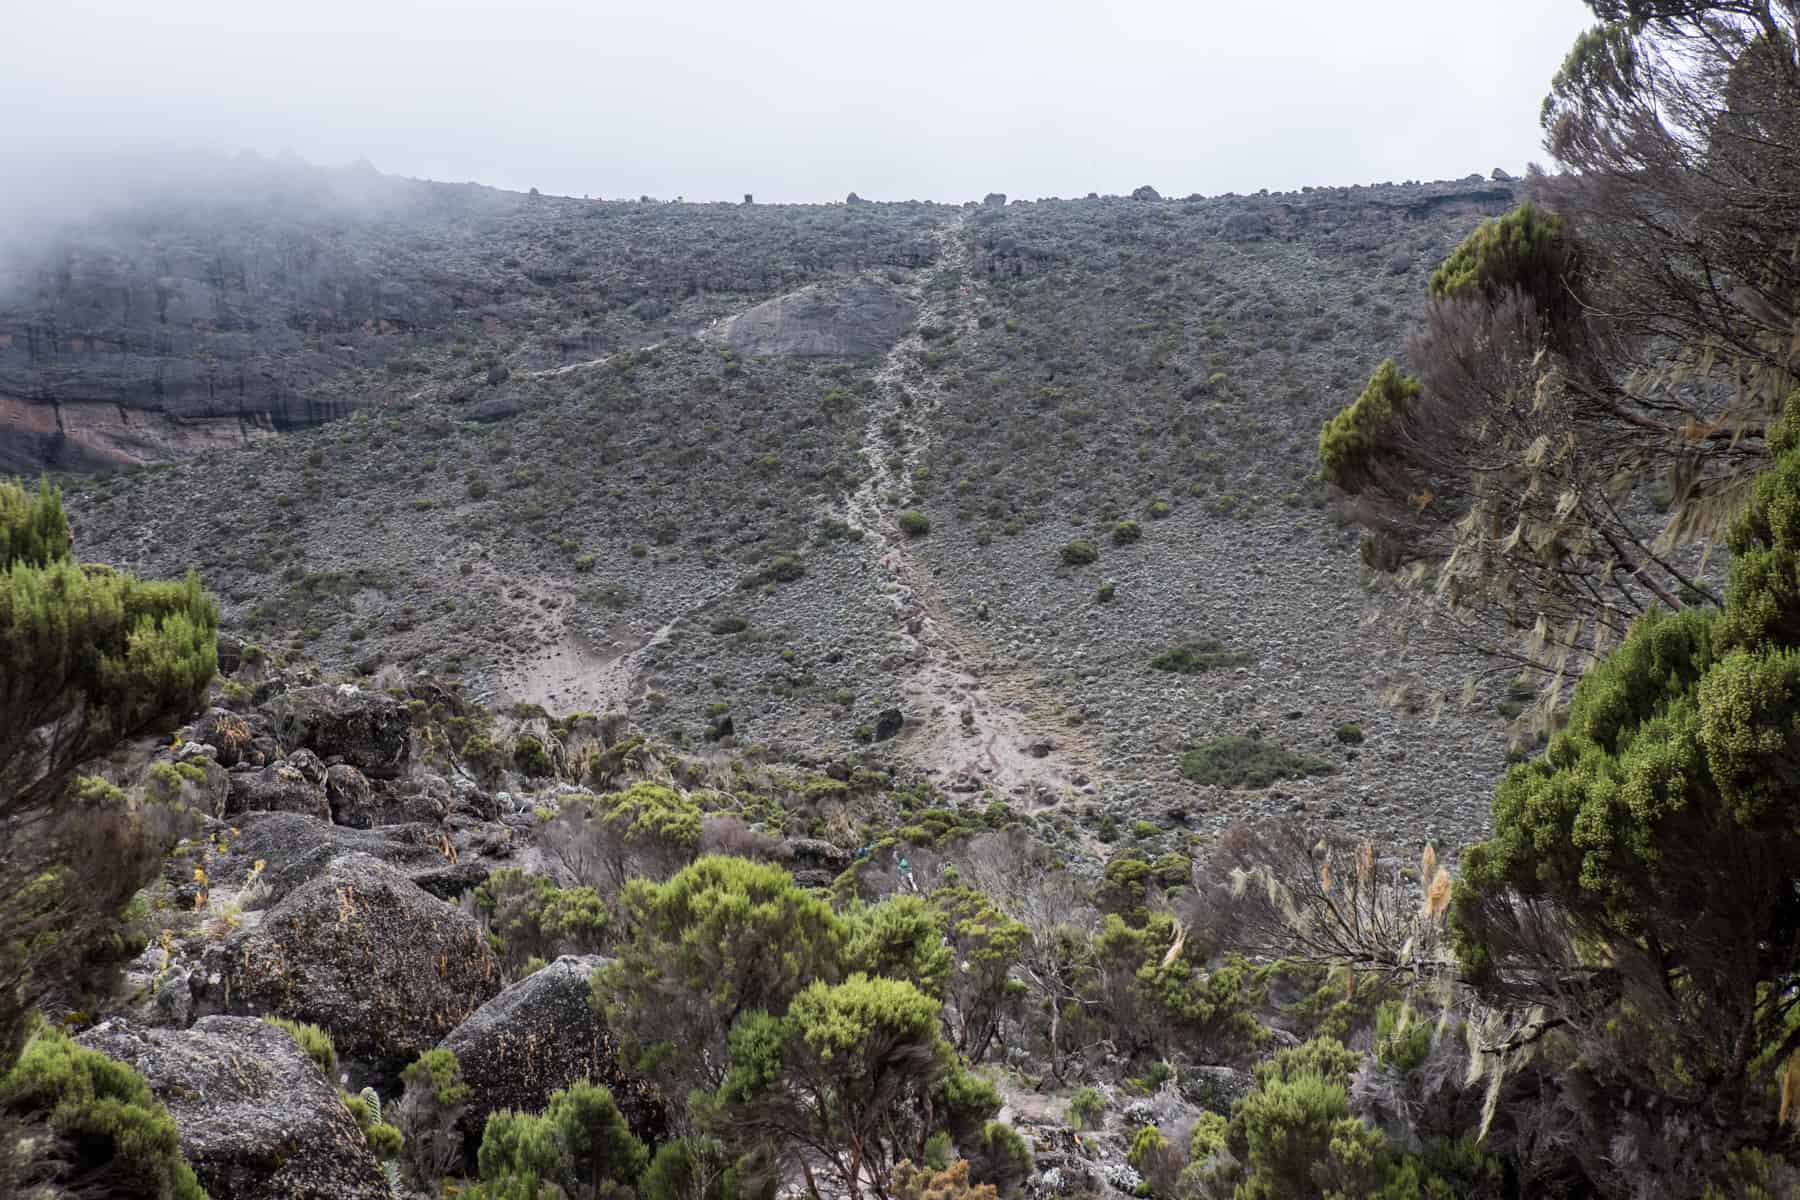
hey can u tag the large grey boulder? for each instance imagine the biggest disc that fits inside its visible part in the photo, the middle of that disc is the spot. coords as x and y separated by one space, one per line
363 951
257 1119
1244 227
537 1036
369 730
445 861
352 800
813 862
280 788
231 735
848 320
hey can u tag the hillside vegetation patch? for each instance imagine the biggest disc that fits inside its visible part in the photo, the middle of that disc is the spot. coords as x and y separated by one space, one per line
1199 656
1240 761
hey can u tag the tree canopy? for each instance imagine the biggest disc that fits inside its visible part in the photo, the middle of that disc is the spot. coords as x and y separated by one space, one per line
91 655
1619 344
88 656
1641 877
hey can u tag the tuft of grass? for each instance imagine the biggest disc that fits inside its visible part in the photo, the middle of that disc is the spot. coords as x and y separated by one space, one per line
314 1041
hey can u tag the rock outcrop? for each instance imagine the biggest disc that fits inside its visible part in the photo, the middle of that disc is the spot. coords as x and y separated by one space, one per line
537 1036
364 952
280 788
443 860
257 1119
850 320
368 730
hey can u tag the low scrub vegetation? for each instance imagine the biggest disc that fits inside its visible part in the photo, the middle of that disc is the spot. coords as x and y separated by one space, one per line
1238 761
1196 657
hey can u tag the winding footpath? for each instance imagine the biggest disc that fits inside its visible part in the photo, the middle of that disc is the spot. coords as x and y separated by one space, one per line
969 721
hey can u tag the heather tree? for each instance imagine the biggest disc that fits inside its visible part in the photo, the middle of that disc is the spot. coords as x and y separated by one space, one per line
1625 336
88 656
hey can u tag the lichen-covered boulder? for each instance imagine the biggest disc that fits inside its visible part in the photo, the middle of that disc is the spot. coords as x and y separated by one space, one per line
446 859
369 730
229 734
257 1120
283 787
537 1036
363 951
348 793
813 862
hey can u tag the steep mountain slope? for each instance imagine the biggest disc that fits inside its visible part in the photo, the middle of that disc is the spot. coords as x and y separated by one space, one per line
705 531
257 296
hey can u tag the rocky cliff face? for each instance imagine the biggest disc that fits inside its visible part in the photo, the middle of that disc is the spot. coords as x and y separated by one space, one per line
278 297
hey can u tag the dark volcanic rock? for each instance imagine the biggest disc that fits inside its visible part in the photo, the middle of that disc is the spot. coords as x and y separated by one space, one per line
257 1119
280 788
227 733
352 801
814 862
364 952
848 320
298 849
1244 227
537 1036
368 730
888 723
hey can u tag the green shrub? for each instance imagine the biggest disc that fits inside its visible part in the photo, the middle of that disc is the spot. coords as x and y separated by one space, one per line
1527 250
1193 658
385 1140
646 832
1106 592
914 523
728 625
1088 1108
1402 1040
529 917
1350 441
435 1100
900 938
531 757
1079 553
440 1075
1145 1143
482 753
1158 509
783 568
1235 761
98 656
1350 733
1127 532
1000 1158
866 1054
365 1109
722 936
1208 1136
113 1137
314 1041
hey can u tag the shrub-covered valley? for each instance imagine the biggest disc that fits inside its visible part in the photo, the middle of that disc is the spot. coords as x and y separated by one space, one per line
514 696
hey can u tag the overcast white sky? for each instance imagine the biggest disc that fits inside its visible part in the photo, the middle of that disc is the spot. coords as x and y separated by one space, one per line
804 99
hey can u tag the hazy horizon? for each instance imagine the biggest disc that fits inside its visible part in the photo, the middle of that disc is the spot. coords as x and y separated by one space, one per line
803 100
